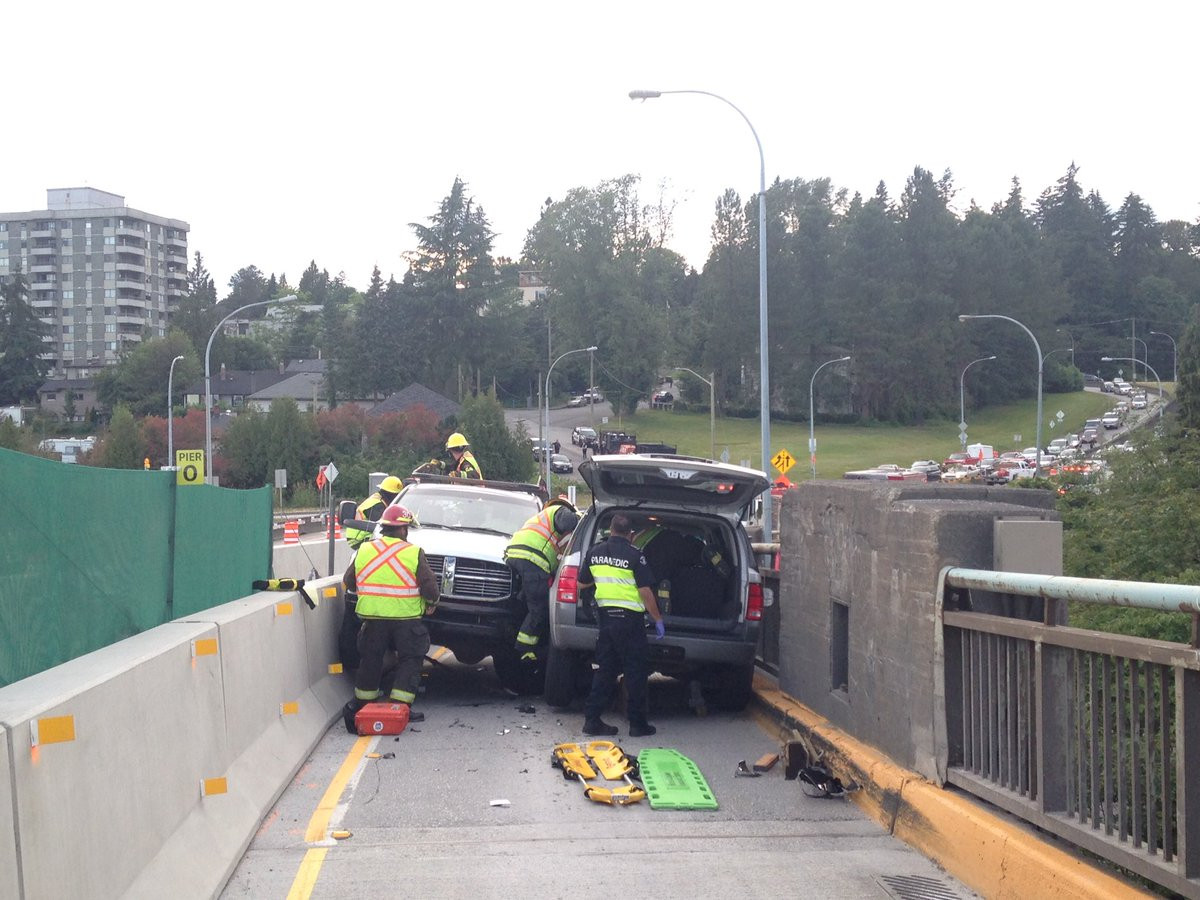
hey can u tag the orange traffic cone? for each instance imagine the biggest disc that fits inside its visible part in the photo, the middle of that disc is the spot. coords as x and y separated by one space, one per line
337 529
291 532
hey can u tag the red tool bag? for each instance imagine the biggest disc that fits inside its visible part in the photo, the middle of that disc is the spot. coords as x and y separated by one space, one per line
381 718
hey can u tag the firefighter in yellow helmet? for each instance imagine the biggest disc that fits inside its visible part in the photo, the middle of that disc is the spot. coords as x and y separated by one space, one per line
465 464
372 508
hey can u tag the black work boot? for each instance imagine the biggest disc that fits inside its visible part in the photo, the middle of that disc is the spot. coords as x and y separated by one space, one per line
349 711
641 729
598 726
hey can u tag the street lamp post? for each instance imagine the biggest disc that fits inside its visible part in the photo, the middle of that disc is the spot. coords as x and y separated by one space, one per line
1174 355
812 435
1072 337
712 407
208 454
546 409
1037 466
1152 372
1143 360
962 401
171 414
763 368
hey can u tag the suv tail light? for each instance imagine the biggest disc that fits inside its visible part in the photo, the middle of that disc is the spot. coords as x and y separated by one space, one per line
754 602
568 585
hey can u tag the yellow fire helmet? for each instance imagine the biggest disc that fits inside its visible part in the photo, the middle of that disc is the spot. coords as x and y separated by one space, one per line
457 441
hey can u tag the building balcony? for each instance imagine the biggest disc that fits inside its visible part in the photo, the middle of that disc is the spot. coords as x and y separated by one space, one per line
130 248
131 284
176 257
42 267
138 321
126 231
174 291
180 242
43 233
43 251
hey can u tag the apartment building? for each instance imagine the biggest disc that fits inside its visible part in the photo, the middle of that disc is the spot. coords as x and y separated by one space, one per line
103 276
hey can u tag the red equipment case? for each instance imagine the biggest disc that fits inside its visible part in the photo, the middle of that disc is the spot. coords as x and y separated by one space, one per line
381 718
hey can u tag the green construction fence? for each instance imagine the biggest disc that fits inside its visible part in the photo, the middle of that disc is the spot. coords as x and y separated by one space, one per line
90 556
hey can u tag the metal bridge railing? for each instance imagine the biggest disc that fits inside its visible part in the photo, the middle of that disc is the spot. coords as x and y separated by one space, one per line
1094 737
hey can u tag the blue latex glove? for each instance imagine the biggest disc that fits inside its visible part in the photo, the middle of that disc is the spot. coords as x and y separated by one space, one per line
659 630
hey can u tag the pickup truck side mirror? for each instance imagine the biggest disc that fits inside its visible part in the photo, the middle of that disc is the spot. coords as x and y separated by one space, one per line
346 510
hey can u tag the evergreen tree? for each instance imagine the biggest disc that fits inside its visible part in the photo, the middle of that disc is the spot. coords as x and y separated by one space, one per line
22 368
123 447
195 313
503 453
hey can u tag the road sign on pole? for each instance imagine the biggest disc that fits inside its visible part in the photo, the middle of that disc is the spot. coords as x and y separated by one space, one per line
783 461
189 466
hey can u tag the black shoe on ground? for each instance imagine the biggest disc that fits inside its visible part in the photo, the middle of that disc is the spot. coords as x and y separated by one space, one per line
642 729
596 726
415 715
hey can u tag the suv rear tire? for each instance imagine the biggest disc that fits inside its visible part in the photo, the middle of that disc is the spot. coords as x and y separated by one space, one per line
735 689
567 676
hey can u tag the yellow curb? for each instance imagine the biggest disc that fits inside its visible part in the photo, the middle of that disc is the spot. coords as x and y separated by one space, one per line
998 857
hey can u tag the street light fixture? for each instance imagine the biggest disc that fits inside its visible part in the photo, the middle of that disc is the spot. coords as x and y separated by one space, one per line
1037 466
171 414
712 407
1174 355
546 409
208 454
1148 366
962 401
763 368
812 437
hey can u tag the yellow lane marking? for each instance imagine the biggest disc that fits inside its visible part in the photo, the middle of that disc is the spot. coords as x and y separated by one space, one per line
319 822
306 878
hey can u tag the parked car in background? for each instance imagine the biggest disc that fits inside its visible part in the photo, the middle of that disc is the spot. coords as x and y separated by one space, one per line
538 446
1138 401
561 464
1108 387
662 398
931 468
583 436
1089 437
1111 420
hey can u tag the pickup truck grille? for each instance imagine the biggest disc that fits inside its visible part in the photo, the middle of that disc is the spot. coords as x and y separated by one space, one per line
460 578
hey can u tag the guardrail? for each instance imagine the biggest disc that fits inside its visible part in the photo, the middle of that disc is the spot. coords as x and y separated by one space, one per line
1094 737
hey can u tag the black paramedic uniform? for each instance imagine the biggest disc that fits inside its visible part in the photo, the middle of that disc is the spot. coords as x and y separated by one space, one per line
618 569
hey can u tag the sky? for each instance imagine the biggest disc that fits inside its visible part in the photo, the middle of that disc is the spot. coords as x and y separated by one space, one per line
290 132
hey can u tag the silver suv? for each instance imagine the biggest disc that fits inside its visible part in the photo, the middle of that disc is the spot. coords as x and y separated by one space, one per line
707 580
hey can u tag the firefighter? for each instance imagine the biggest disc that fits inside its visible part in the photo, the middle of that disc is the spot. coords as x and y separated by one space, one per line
372 508
532 554
617 572
369 510
465 464
396 589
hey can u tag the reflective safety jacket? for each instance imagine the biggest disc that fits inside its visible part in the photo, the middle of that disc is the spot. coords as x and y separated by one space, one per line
646 535
468 467
537 542
613 565
355 537
385 571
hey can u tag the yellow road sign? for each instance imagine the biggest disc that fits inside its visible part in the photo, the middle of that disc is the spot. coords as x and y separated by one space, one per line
189 467
783 461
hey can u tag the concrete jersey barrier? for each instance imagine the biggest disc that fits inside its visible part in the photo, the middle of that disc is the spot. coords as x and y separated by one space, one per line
148 764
